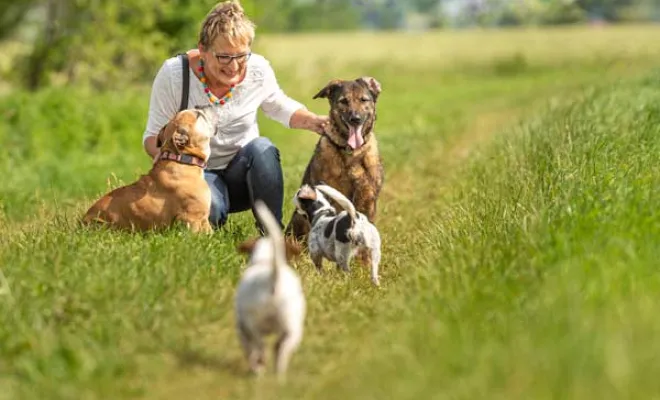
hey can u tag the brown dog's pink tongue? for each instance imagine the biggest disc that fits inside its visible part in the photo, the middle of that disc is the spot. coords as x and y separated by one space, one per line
355 139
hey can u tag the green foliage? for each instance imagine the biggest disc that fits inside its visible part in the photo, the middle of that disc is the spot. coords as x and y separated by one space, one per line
53 132
12 13
323 16
561 12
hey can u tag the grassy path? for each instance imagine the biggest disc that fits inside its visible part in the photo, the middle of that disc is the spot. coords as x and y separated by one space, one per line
345 313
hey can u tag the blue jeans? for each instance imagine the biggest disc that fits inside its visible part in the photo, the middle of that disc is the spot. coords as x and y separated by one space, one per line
254 173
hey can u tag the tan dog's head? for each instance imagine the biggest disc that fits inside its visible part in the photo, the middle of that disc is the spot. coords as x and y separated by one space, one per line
249 246
189 132
352 109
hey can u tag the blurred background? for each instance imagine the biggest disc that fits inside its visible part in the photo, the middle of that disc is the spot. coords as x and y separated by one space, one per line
106 43
75 75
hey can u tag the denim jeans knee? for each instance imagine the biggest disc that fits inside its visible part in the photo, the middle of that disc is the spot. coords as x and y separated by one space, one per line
219 199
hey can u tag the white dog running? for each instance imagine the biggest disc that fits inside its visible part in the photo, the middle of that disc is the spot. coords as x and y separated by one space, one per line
269 299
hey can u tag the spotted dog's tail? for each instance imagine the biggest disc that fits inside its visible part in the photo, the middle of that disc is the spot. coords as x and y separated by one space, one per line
355 234
339 197
276 236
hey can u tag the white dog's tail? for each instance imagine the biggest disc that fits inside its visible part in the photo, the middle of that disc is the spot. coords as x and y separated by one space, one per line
273 230
339 197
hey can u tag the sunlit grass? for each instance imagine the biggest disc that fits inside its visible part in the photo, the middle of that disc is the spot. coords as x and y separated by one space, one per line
518 258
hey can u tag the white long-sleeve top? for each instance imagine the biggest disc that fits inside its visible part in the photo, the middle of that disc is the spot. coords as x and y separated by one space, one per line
237 123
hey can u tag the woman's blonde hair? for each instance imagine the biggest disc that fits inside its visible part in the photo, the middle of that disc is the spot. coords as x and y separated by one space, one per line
228 20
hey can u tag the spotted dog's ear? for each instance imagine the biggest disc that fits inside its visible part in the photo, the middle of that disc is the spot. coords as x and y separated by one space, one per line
306 192
328 89
372 84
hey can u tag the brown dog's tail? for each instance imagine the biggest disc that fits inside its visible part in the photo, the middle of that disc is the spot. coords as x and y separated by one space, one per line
273 230
339 197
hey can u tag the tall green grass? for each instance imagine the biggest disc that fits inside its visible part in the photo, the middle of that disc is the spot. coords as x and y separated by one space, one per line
540 275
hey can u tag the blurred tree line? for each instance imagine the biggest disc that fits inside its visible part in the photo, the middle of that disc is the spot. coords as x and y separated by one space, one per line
106 42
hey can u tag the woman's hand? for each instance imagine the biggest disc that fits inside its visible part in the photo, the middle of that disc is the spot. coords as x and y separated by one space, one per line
305 119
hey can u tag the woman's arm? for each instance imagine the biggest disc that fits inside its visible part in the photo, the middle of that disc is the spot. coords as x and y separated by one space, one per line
162 106
150 146
305 119
287 111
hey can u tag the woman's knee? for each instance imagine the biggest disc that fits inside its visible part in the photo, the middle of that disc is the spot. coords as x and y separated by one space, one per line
261 149
219 199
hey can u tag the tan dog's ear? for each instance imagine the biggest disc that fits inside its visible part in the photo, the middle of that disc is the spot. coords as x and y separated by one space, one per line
372 84
160 139
328 89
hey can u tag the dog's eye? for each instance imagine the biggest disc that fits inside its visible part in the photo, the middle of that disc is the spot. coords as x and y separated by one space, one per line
365 99
343 101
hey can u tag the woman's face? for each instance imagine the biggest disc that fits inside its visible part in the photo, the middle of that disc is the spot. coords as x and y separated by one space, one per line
225 63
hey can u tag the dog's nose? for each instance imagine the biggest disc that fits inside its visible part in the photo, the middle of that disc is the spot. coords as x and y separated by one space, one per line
355 119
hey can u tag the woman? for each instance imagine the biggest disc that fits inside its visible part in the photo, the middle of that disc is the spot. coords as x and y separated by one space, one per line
243 166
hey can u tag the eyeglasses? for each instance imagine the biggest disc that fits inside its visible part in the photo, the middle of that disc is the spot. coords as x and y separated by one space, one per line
226 59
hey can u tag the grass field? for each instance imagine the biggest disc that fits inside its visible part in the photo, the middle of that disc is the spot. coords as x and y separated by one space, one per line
519 217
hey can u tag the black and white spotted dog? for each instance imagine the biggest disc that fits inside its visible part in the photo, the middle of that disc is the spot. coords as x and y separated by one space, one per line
337 236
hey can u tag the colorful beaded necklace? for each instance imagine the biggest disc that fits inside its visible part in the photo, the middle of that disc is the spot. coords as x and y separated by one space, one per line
207 90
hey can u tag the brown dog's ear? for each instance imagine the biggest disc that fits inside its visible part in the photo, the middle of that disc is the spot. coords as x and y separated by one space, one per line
328 89
372 84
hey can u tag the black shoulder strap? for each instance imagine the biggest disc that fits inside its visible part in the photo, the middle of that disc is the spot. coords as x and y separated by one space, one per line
186 81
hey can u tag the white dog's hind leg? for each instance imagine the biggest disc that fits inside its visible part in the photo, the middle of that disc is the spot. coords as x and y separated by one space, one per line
253 348
284 348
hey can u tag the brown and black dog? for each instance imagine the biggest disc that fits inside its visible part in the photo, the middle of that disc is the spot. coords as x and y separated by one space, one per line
174 190
346 157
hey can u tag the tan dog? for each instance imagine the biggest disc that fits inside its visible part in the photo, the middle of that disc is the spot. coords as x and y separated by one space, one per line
174 190
346 157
